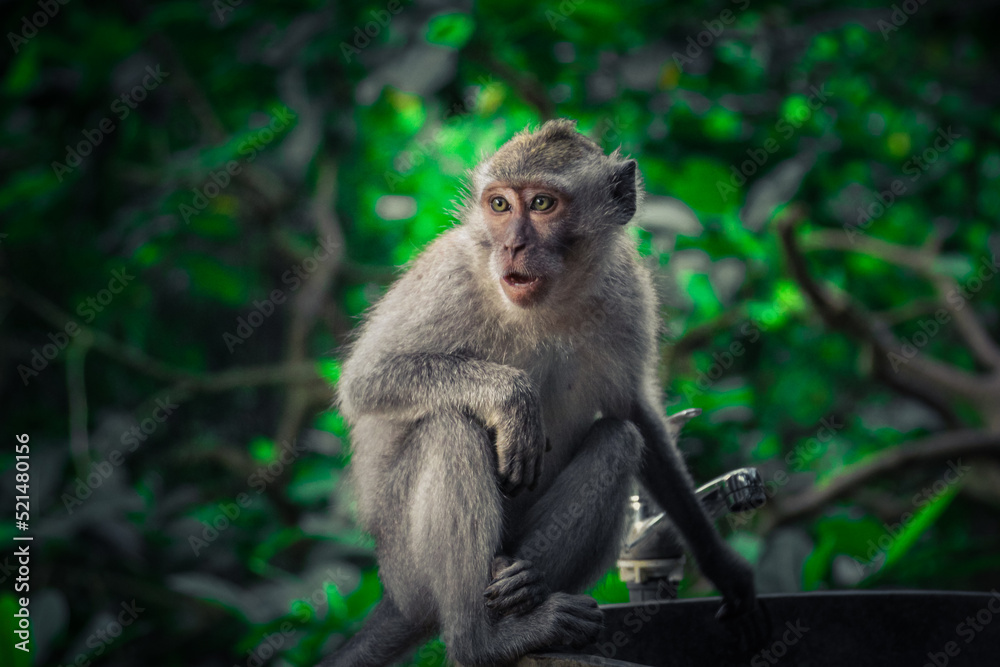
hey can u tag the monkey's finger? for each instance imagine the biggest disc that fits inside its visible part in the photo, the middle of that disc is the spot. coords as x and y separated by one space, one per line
513 483
525 598
521 475
500 563
508 584
515 597
580 618
514 566
734 608
509 473
529 579
750 632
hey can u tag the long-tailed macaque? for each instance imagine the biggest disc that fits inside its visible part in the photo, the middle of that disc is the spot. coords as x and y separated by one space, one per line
503 396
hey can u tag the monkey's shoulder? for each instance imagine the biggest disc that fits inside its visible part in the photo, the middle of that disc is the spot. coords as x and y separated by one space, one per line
438 286
442 267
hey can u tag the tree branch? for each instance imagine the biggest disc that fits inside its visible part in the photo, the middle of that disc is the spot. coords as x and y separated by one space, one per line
913 374
306 306
76 388
183 382
923 262
931 449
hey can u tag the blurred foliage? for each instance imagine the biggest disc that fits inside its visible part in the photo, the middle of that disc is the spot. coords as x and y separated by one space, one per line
199 199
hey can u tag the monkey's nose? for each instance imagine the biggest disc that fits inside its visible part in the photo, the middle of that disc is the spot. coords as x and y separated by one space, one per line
514 247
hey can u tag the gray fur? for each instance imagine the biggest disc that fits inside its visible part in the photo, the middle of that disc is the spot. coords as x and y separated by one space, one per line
453 392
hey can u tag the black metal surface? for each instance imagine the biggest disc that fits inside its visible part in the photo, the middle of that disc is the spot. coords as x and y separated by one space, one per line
913 628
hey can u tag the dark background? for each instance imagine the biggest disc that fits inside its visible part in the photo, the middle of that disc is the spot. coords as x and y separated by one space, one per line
200 199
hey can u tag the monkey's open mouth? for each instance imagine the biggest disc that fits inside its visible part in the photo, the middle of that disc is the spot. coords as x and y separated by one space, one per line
523 289
515 279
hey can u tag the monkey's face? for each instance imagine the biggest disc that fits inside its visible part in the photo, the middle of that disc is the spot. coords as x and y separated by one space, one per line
528 225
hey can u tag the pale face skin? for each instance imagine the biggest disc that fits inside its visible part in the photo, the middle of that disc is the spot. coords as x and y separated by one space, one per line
527 225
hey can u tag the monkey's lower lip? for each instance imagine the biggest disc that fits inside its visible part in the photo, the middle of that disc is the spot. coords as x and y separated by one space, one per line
523 290
520 280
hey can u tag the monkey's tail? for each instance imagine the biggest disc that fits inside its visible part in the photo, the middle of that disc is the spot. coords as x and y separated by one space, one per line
386 636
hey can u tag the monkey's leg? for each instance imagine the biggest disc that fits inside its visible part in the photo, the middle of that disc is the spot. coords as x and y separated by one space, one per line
455 526
385 638
574 531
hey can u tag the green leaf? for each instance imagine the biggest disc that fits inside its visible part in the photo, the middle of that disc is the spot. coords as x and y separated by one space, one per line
329 370
610 589
23 71
918 525
722 124
451 30
313 482
700 289
362 598
262 449
216 280
28 186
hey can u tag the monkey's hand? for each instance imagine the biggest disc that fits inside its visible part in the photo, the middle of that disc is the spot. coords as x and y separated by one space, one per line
734 578
520 441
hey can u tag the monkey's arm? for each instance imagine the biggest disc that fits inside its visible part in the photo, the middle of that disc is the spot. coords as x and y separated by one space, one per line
666 478
413 385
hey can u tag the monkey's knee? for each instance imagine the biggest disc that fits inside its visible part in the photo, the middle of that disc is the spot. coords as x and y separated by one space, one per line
454 515
457 468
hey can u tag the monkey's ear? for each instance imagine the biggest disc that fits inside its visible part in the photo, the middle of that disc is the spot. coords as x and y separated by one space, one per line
623 194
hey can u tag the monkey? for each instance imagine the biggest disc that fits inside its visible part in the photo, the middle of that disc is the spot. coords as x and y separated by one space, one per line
506 388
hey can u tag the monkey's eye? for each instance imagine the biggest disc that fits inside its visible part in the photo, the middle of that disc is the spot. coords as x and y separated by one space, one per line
499 204
542 203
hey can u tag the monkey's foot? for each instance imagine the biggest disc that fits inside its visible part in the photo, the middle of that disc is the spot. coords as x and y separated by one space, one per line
577 619
517 587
